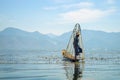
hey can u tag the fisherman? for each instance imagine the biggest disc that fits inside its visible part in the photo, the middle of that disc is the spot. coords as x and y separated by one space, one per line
77 48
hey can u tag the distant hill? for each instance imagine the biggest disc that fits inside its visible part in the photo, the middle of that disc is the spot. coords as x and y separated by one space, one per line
51 35
12 38
101 40
16 39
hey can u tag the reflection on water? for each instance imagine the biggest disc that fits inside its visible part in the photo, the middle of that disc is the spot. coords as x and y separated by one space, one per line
78 71
74 70
46 65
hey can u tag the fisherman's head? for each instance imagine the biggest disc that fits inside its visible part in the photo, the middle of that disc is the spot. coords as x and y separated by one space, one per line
77 34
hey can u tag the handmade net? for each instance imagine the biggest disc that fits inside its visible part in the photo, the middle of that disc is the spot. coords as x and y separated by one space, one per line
70 47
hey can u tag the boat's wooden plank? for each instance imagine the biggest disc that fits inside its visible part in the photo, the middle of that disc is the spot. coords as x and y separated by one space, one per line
67 55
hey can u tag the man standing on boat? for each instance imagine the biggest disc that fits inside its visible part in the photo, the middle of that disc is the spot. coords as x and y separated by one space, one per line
77 48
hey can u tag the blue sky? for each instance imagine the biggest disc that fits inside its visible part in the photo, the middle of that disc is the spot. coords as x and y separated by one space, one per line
59 16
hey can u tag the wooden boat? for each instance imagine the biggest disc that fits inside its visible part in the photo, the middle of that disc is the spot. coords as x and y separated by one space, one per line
69 52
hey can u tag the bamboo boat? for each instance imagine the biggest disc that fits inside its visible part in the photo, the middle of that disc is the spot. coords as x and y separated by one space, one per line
69 52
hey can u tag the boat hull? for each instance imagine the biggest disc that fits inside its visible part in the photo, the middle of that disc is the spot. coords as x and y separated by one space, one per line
69 56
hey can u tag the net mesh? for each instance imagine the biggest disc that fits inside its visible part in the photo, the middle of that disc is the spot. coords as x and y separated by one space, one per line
70 46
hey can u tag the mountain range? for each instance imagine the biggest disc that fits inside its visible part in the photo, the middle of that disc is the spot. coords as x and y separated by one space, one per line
16 39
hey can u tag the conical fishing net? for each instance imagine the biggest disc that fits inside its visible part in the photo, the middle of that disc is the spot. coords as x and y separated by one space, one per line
70 47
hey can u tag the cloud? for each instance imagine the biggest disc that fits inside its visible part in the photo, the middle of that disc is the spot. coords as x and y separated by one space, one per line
59 1
79 5
50 8
85 15
69 6
110 1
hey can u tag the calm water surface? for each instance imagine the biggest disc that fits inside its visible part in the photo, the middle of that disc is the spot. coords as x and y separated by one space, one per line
49 65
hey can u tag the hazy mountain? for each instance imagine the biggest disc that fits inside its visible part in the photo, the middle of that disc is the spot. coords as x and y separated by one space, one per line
51 35
12 38
99 39
15 39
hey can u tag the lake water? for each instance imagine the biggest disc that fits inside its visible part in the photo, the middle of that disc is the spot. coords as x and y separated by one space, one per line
49 65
